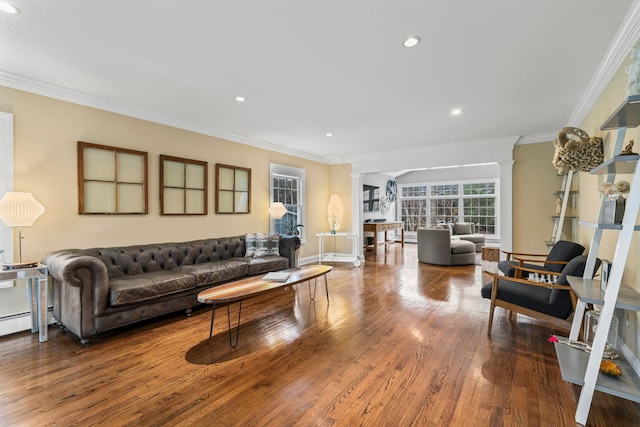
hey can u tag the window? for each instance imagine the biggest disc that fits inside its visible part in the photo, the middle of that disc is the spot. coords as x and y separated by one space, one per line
424 205
183 186
480 206
111 180
443 210
413 207
287 187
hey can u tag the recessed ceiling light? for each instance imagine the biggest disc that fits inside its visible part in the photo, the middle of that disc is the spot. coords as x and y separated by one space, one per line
456 112
8 8
328 134
411 41
240 98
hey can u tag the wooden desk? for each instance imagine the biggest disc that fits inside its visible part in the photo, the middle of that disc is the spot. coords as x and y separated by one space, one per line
378 227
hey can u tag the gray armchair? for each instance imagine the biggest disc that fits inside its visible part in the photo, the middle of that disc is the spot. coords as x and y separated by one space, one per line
550 303
435 246
560 254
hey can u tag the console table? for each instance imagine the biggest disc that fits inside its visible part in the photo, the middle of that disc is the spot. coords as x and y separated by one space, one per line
37 281
338 257
378 227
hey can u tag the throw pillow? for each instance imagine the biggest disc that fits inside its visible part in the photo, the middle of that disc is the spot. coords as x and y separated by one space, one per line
267 244
250 244
462 228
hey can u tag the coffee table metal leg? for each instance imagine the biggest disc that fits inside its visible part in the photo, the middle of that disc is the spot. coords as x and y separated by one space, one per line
213 316
312 295
237 327
326 287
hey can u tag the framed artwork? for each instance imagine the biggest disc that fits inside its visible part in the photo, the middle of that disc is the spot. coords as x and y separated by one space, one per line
183 186
370 198
111 180
233 189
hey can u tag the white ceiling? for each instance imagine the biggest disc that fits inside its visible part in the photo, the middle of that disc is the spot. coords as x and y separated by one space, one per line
308 67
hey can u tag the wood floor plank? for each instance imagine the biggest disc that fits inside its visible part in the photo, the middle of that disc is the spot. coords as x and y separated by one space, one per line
400 343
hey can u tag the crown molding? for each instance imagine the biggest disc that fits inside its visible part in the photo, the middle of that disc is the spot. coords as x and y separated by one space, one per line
61 93
625 38
494 150
534 139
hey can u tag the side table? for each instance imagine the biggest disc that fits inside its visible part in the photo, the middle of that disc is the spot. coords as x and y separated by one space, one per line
337 257
37 284
490 258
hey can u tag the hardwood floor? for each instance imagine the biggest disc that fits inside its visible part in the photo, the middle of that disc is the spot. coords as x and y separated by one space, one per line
400 344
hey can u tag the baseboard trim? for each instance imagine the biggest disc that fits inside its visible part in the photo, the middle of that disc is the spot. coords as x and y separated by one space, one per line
20 322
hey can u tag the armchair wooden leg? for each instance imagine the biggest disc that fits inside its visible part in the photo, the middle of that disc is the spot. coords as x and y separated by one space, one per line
490 318
494 295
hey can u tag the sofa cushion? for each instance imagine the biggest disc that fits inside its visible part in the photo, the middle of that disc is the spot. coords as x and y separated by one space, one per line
533 297
267 244
265 264
462 247
475 238
211 273
148 286
251 244
463 228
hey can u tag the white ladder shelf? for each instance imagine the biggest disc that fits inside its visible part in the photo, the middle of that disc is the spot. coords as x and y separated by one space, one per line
578 367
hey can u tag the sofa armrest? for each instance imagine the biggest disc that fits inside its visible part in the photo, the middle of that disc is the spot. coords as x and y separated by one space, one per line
89 274
288 246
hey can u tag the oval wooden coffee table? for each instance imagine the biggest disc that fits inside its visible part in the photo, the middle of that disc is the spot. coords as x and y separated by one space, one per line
240 290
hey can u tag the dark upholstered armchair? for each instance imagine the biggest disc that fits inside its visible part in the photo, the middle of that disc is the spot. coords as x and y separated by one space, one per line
550 303
560 254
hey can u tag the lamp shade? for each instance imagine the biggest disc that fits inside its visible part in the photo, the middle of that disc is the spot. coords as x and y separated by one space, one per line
19 209
277 210
334 212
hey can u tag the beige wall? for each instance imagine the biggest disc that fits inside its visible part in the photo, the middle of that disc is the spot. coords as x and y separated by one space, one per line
535 182
45 134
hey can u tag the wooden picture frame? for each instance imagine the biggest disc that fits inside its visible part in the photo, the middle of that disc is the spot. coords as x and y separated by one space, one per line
111 180
233 189
183 186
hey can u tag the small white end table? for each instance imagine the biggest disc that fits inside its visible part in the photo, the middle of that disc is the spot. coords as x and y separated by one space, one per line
338 257
37 284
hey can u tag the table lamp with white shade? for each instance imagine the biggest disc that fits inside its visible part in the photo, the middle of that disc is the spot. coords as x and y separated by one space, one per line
18 209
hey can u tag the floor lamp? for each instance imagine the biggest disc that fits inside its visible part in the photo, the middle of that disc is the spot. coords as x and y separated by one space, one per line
19 210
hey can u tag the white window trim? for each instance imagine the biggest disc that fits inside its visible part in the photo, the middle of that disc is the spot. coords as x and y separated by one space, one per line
301 174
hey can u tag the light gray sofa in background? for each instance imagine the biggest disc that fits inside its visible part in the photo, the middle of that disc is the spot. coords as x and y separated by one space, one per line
99 289
435 246
465 231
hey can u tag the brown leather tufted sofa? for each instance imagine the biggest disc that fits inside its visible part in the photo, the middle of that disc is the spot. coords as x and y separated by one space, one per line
99 289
